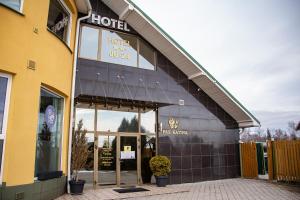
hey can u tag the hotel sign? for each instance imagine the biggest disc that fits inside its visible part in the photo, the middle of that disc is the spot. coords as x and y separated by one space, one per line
109 22
173 130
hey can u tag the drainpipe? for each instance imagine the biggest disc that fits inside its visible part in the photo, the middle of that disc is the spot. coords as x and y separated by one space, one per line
73 87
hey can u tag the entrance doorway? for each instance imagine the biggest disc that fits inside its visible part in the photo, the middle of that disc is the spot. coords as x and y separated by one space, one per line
117 159
121 143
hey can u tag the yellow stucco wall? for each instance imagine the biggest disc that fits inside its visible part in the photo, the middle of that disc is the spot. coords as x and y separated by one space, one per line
18 44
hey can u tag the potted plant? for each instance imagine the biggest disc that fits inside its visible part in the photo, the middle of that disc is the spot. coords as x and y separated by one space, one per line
161 167
79 158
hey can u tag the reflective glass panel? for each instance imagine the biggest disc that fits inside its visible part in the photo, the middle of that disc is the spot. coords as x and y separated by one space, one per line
89 42
3 86
119 48
148 144
49 133
117 121
128 160
58 20
107 160
14 4
146 56
87 116
148 122
87 173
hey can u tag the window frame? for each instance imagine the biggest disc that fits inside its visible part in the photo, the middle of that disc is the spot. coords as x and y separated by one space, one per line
60 159
67 9
21 6
5 118
99 50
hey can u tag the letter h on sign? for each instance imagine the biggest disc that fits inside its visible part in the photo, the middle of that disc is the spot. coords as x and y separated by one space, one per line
96 19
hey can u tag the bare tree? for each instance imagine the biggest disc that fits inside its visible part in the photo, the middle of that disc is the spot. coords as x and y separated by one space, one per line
280 134
292 130
269 136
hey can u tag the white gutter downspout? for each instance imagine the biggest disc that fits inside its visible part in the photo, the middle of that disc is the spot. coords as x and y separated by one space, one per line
89 7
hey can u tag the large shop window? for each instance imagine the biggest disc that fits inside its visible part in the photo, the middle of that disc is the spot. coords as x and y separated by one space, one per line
14 4
59 18
48 146
115 47
4 99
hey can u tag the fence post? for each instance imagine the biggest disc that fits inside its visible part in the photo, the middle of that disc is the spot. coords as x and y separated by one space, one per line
270 160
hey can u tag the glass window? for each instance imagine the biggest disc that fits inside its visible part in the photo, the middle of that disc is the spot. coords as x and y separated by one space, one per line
119 48
3 104
117 121
3 87
148 122
87 116
49 133
146 56
14 4
89 42
116 47
59 20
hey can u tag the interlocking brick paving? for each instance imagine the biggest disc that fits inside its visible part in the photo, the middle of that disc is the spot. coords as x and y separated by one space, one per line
228 189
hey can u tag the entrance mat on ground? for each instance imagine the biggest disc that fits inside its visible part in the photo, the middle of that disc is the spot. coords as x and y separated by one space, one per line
128 190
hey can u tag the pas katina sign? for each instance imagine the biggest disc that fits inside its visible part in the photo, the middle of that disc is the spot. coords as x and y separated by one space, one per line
173 128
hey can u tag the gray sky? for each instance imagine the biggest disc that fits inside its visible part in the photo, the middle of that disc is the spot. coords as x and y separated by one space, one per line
251 47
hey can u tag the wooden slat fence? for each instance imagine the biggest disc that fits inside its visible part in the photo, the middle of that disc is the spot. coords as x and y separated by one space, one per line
248 159
285 159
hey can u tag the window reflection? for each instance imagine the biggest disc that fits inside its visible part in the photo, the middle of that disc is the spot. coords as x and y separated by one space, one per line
148 122
58 20
89 42
14 4
87 116
115 47
148 144
117 121
3 86
86 173
49 133
146 56
119 48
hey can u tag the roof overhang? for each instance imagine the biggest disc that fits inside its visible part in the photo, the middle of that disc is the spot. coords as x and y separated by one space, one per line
147 28
83 6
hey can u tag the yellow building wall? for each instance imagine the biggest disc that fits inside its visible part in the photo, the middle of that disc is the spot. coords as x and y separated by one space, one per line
54 60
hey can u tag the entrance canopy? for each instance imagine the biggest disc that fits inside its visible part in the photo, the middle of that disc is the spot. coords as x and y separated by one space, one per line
147 28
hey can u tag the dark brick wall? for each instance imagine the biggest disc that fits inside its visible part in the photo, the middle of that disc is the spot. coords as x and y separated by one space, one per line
209 151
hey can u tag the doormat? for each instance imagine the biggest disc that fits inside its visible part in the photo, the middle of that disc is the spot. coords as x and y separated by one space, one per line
128 190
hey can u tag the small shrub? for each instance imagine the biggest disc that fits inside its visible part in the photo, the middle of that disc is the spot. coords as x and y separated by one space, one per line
160 165
79 150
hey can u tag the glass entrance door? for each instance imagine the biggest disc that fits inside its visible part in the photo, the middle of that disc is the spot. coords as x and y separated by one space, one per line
107 162
128 160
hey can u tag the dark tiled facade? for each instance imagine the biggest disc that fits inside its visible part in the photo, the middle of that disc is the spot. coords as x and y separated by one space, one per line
209 150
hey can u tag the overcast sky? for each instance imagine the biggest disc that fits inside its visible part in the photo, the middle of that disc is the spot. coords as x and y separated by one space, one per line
251 47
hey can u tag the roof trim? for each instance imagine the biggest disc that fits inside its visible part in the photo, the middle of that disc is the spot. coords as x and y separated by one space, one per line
197 64
252 120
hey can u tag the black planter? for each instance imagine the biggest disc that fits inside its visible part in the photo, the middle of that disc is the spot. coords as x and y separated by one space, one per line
76 187
161 181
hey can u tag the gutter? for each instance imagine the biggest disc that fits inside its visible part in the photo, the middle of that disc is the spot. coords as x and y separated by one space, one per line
71 121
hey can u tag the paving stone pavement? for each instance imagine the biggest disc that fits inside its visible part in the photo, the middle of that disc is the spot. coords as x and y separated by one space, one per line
226 189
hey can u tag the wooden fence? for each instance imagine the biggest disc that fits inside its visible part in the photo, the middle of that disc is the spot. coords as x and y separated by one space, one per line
284 156
248 159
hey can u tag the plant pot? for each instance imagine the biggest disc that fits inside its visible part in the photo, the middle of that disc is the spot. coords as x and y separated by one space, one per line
161 181
76 187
